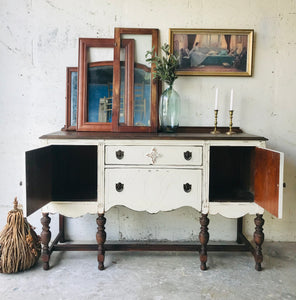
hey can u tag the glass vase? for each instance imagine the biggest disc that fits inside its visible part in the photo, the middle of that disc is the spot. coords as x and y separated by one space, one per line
169 110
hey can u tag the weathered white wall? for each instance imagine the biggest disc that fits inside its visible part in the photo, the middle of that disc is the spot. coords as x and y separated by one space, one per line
38 40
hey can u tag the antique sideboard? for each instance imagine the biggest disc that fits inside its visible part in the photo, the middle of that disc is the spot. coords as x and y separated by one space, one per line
75 173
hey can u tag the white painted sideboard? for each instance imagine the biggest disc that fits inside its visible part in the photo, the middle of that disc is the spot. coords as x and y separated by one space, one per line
75 173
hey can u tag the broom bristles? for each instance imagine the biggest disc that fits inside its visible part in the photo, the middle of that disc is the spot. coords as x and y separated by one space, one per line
18 251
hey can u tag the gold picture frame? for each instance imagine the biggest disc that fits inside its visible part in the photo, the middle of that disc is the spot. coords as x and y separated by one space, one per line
213 52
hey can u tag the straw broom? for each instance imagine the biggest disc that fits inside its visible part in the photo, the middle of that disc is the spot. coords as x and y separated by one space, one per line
19 244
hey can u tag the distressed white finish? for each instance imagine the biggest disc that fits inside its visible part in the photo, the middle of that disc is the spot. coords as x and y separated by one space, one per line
234 210
153 190
158 186
164 155
71 209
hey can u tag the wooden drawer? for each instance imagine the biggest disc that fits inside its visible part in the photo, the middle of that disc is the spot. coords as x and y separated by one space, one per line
154 155
153 190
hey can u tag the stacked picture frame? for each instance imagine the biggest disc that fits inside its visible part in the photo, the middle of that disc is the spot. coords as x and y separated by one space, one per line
113 89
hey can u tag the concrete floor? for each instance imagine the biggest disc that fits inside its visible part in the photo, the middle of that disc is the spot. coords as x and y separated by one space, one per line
158 275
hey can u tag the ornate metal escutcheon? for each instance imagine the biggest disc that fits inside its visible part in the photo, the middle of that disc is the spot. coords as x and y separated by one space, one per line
187 187
187 155
153 155
119 187
119 154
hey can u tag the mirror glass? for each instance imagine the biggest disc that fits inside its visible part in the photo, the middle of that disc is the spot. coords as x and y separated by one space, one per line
123 97
74 76
99 85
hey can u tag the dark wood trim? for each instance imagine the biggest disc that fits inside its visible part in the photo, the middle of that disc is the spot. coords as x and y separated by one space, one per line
183 133
39 178
84 44
258 239
243 246
152 247
203 238
239 226
128 126
45 239
101 238
69 72
62 228
267 179
129 45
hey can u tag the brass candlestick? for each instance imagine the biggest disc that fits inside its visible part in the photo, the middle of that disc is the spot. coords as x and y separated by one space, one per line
229 132
215 131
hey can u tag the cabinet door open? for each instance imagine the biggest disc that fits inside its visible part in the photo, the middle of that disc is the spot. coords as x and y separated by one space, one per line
268 180
38 178
63 173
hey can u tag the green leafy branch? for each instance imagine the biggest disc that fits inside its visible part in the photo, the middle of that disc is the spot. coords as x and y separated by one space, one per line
165 66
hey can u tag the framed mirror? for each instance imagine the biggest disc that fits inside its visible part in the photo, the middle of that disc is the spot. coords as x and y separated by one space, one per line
136 108
71 98
95 84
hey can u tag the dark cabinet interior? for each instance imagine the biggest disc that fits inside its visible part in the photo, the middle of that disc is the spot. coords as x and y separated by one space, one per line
60 173
74 173
231 174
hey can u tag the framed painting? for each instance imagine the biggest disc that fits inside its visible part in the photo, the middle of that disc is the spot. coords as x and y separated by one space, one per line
213 52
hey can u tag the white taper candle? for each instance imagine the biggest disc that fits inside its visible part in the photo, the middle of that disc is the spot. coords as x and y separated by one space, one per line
231 100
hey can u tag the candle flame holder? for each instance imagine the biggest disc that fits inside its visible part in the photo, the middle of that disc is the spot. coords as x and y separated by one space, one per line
229 132
215 131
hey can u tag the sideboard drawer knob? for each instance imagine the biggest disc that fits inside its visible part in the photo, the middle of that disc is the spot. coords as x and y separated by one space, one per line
119 187
187 155
119 154
187 187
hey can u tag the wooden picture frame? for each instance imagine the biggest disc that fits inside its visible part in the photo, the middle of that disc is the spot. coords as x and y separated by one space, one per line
213 52
83 124
128 124
71 98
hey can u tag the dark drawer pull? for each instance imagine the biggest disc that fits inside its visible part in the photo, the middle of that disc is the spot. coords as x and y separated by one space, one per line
119 187
187 187
187 155
120 154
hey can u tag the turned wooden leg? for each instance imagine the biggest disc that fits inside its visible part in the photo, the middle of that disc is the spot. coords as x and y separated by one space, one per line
203 238
239 230
62 228
258 239
45 238
101 238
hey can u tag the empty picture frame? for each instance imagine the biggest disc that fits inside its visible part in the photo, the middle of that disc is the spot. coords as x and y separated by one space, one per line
71 98
138 111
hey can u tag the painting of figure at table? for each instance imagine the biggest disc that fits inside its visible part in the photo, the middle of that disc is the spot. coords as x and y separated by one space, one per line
213 52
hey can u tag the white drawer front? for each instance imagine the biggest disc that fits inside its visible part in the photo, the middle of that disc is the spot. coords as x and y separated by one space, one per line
154 155
153 190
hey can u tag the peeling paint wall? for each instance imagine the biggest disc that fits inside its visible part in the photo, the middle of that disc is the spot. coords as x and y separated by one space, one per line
39 39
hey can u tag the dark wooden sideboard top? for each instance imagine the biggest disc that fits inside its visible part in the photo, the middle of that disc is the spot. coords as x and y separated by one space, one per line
183 133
